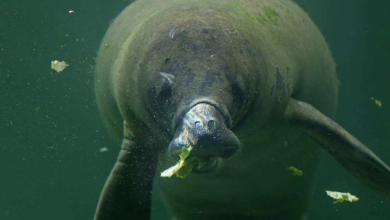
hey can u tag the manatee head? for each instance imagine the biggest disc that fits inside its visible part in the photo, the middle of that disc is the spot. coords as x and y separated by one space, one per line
198 86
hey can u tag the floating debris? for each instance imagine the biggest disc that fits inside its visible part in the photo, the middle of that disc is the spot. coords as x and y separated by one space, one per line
342 197
58 66
295 171
103 149
71 11
377 102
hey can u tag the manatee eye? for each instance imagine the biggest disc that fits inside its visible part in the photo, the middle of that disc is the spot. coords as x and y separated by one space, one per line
163 93
164 88
239 97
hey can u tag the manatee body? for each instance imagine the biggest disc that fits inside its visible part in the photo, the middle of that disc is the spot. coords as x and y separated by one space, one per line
250 85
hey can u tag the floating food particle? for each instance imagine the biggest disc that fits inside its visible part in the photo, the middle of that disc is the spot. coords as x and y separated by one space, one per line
103 149
342 197
377 102
58 66
295 171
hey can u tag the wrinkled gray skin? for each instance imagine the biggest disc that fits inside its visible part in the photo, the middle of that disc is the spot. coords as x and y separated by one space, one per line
250 84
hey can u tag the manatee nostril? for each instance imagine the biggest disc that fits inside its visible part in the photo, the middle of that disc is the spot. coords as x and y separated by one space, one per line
198 124
204 129
211 125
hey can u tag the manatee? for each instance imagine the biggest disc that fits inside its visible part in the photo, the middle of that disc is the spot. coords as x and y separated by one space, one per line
250 85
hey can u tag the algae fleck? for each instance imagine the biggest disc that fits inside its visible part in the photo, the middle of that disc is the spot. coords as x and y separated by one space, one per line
268 15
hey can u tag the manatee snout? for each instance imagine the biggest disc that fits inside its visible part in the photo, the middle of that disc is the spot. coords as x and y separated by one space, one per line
204 128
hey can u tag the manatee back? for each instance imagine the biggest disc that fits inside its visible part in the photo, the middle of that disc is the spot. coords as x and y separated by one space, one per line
282 35
286 39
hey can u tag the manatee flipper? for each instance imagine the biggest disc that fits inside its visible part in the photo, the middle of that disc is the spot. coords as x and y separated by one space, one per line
345 148
127 192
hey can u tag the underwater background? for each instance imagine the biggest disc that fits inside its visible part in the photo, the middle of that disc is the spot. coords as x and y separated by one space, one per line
51 134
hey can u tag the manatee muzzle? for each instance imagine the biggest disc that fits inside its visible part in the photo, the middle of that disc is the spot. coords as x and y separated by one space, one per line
204 128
